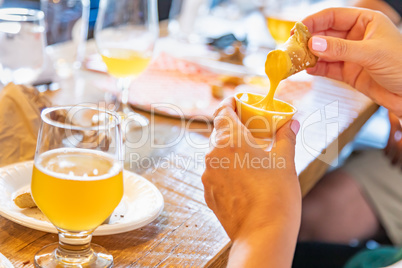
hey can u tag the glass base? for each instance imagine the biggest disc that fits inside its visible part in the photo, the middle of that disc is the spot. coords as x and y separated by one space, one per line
51 256
132 119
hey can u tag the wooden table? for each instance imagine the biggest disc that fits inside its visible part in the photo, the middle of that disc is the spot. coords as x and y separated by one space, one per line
187 234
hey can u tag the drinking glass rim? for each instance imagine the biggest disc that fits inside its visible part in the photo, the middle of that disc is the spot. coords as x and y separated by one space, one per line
21 14
52 122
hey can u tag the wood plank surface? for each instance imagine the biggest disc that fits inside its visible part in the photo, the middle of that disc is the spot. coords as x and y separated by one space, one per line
187 234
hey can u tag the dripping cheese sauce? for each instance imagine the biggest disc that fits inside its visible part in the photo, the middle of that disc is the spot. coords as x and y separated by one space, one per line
277 67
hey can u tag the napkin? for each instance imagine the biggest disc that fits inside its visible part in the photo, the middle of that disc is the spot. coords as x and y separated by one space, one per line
20 108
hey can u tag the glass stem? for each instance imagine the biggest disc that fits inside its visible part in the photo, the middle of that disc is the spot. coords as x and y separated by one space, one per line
124 85
75 247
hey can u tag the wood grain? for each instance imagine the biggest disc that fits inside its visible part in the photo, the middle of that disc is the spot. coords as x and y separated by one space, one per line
187 234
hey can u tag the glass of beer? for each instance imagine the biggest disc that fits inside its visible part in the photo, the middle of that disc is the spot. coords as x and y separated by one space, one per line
125 35
77 181
282 15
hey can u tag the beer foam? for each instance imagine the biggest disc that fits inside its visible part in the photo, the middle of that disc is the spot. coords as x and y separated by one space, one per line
49 160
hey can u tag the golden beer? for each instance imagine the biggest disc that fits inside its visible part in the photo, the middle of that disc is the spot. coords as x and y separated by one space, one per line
124 62
279 28
76 189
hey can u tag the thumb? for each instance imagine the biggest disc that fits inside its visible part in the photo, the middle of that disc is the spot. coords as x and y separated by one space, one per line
285 140
338 49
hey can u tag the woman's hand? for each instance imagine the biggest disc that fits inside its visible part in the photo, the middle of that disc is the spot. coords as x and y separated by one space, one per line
255 194
394 146
362 48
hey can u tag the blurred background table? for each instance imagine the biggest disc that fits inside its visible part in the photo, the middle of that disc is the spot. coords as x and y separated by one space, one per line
187 234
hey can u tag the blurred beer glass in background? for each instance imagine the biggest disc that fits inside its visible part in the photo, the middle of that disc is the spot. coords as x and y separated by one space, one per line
125 33
22 44
67 31
282 15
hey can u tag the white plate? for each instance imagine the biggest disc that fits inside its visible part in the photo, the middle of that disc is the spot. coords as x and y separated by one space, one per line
4 262
141 203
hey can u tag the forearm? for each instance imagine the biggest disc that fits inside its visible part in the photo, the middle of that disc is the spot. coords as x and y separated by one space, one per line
271 247
379 5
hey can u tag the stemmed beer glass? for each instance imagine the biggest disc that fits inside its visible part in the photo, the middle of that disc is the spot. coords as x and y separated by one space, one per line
125 34
77 181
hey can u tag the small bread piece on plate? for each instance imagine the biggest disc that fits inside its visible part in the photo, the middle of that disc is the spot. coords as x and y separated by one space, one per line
217 91
25 200
231 80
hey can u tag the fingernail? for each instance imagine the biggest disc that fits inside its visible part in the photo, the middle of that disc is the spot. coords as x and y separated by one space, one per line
295 126
319 44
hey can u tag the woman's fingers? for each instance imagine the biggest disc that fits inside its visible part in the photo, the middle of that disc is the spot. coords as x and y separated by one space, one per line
330 48
285 141
225 113
328 69
333 33
226 124
338 19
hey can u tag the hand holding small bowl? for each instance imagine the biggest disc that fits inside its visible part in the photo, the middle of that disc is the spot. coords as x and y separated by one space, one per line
262 123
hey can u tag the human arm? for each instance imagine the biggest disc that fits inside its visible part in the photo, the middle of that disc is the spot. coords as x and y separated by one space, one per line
362 48
380 5
255 194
